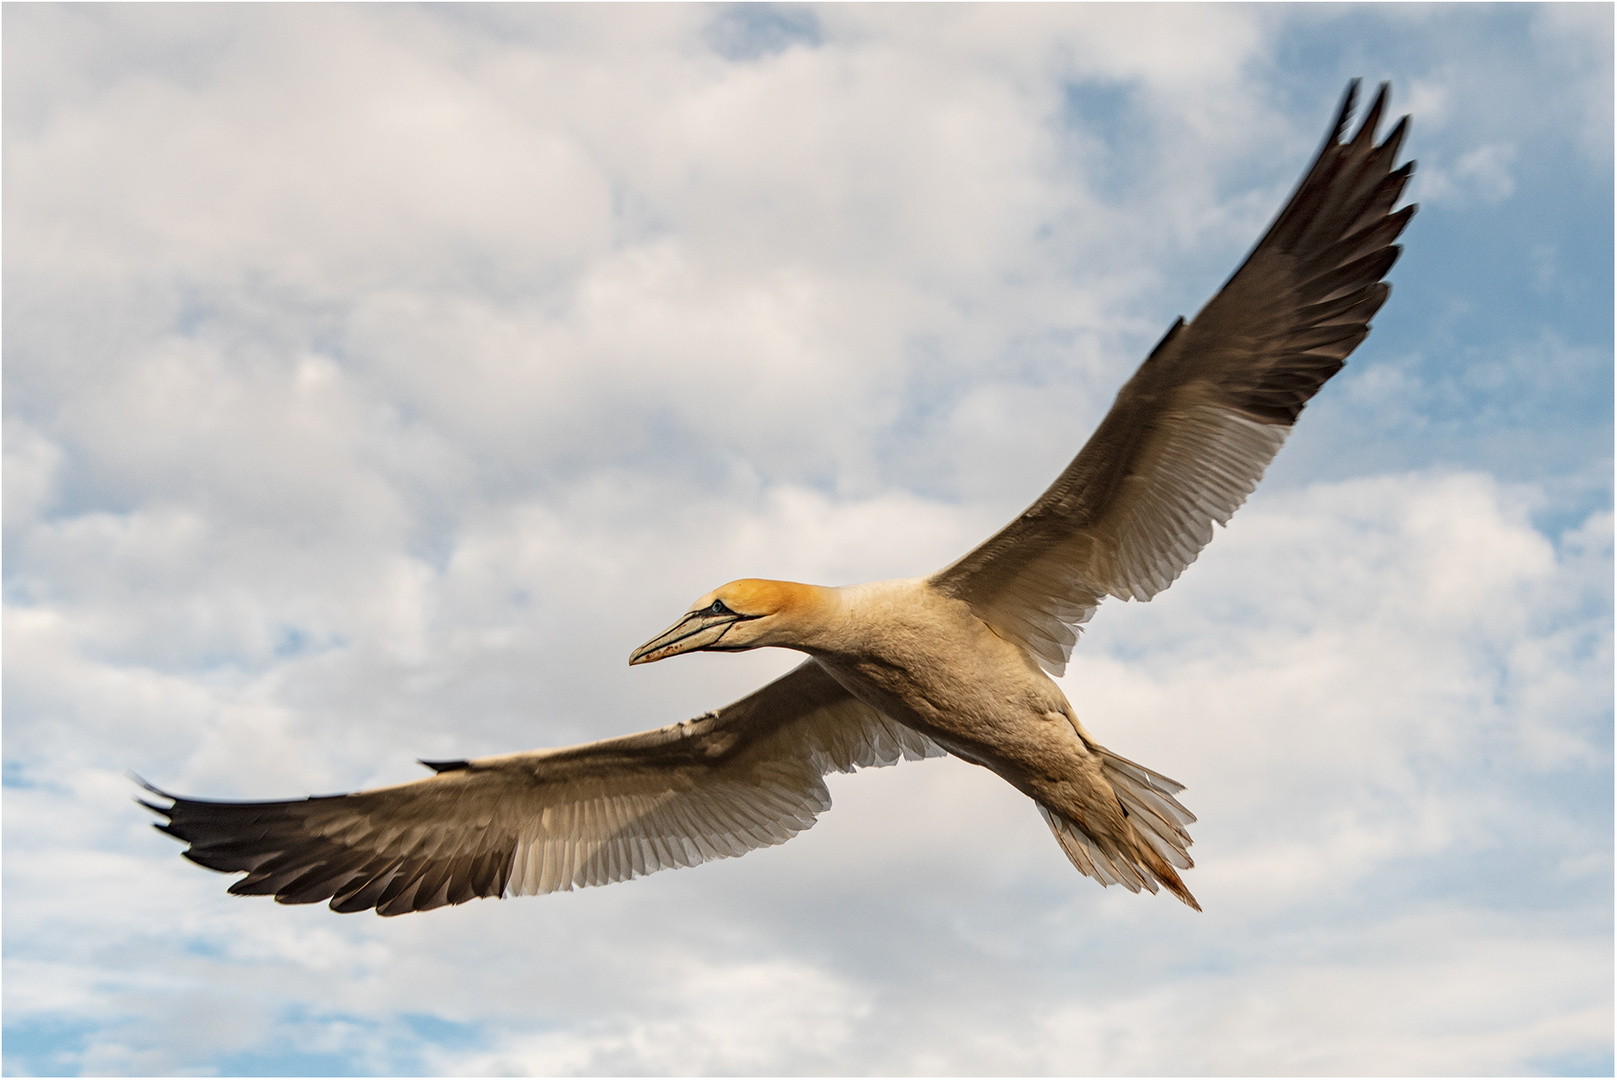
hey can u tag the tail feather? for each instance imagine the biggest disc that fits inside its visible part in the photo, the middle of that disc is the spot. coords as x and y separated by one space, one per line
1148 798
1091 858
1157 839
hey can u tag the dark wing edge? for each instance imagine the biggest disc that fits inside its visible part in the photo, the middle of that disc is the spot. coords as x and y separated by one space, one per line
1193 430
747 776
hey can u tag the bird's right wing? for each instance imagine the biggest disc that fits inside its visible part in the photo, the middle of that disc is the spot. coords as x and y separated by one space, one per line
1191 433
747 776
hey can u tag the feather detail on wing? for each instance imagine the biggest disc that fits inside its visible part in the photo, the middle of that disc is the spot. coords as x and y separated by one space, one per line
1193 430
747 776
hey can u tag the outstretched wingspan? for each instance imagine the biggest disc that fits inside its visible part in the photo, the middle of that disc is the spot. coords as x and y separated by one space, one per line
1184 444
1190 435
747 776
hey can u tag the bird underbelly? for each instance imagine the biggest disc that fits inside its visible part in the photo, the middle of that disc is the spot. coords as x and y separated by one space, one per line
1017 728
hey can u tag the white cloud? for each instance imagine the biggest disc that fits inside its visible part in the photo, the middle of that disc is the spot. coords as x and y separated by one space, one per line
1327 732
1577 40
749 1018
377 378
1483 174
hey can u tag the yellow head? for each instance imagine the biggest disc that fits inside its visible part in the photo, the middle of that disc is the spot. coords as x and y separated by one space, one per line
745 614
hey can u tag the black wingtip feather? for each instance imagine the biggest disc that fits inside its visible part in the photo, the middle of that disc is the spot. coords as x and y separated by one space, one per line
1351 277
155 790
1395 138
1372 119
1344 115
1341 225
282 850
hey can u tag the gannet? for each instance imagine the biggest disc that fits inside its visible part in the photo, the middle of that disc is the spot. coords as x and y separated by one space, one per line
956 663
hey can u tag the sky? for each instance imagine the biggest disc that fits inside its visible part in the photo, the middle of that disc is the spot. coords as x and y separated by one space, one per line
376 378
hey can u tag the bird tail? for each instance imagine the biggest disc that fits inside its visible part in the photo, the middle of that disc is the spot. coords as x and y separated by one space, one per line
1156 839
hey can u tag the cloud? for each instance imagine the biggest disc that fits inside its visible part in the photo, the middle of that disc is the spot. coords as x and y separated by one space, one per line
1329 734
1483 174
377 378
1578 39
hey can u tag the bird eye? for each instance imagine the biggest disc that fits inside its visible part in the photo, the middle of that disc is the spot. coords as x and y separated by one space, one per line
718 608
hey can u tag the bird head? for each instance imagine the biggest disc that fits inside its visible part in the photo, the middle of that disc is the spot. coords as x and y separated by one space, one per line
745 614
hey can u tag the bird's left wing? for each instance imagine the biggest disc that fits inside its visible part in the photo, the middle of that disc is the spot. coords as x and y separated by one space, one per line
1191 433
749 775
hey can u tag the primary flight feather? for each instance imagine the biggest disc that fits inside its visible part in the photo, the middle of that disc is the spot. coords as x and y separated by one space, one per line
954 663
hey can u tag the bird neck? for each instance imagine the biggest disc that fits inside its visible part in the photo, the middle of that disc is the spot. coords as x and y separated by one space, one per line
801 614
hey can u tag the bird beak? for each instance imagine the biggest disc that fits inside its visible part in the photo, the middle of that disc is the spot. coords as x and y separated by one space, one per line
698 630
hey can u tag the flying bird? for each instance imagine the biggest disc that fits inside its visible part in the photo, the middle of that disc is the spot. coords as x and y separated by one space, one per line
955 663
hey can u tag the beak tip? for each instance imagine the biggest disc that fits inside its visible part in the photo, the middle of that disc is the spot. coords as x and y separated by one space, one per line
646 654
682 638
